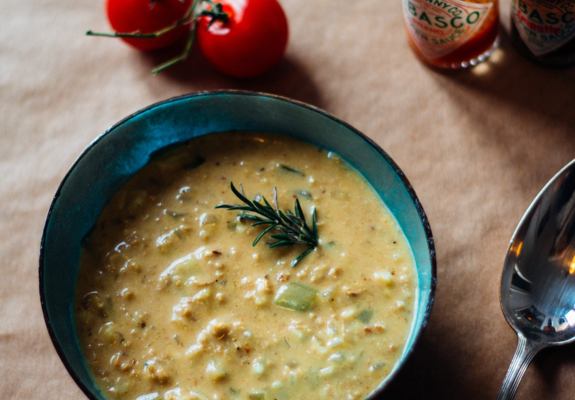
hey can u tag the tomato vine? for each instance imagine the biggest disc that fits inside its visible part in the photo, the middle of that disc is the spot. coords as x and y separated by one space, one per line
240 39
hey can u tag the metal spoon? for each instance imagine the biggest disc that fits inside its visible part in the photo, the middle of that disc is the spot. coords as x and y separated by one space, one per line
538 282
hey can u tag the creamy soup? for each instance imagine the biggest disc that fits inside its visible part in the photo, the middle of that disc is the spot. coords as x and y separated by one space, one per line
174 302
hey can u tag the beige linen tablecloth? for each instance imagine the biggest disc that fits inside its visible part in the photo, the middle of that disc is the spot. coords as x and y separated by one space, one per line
477 147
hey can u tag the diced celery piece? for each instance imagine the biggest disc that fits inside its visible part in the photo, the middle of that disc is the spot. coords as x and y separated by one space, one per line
295 296
257 396
365 316
304 193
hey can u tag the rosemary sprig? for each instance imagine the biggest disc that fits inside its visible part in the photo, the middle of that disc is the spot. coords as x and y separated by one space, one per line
291 227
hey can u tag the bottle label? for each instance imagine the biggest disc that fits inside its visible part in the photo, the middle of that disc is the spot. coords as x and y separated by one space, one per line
544 25
438 27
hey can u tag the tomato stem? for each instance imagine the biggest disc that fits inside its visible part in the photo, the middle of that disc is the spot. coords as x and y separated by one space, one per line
215 13
140 35
181 57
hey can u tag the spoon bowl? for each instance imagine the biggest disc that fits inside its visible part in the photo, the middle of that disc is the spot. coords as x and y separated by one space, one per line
538 281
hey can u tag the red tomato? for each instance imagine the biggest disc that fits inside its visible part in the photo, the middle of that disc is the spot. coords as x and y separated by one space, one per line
250 43
147 16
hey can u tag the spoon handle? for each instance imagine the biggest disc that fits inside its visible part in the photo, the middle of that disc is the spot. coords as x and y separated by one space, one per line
526 350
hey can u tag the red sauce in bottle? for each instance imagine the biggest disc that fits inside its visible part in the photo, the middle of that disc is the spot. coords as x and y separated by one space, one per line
452 33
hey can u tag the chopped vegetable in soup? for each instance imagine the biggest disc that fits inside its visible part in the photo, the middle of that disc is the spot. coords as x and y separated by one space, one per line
174 302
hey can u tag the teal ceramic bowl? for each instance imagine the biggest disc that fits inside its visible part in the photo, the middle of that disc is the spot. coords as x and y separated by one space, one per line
127 146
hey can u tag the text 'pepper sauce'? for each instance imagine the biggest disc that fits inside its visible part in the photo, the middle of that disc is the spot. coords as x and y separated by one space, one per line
452 34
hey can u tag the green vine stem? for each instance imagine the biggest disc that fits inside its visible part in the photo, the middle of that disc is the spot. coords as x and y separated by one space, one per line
215 13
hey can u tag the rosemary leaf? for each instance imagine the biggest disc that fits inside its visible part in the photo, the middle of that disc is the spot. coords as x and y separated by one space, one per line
269 228
267 221
296 220
299 211
313 219
282 243
299 258
268 212
253 217
305 239
281 237
237 207
267 204
288 221
241 196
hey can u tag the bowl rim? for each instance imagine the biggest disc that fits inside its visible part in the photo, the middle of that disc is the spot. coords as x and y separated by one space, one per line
209 93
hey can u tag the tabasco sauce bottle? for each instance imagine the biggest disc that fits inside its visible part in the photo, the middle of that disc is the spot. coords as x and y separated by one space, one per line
452 34
544 30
